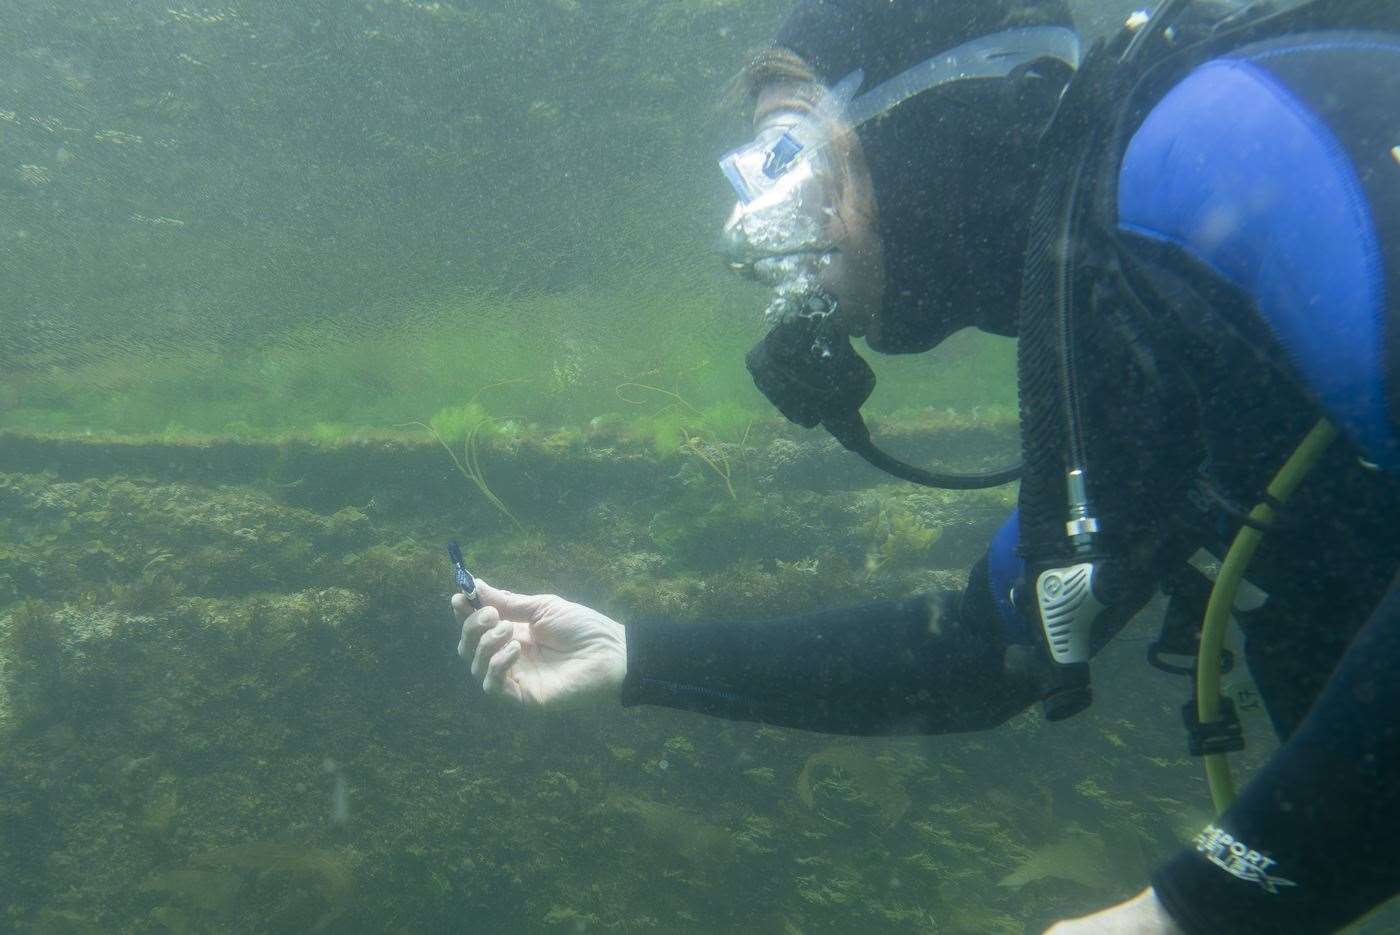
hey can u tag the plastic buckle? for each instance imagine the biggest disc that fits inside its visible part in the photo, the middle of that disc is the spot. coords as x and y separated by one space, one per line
1223 735
1157 649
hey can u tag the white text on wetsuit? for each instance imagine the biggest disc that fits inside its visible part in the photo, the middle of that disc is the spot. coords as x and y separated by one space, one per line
1239 859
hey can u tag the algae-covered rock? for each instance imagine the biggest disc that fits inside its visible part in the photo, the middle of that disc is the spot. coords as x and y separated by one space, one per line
710 535
153 540
201 650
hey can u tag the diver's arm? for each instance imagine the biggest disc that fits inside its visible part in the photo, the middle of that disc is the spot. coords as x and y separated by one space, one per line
929 664
1312 839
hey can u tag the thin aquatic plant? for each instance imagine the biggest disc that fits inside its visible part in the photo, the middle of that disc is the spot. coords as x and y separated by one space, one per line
470 463
713 456
711 453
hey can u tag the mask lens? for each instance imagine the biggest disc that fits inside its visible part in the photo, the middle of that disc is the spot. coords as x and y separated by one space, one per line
752 169
778 233
781 155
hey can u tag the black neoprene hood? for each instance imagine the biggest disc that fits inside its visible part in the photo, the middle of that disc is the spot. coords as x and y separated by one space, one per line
952 169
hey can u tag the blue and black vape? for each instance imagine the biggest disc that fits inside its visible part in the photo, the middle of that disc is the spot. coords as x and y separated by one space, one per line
465 582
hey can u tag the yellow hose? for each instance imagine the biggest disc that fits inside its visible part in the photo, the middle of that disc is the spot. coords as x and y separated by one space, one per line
1222 599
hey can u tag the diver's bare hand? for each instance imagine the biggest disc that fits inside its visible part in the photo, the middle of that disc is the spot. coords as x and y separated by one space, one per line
541 650
1144 914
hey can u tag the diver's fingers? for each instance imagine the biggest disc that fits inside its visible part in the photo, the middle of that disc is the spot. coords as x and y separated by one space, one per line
462 607
514 606
491 643
472 628
495 681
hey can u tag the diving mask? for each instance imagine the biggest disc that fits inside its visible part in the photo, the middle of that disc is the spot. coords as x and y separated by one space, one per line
778 231
786 179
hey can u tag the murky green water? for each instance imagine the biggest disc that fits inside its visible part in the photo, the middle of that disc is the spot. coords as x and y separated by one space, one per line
255 257
252 219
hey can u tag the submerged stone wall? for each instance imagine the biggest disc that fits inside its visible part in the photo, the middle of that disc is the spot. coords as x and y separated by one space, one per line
229 701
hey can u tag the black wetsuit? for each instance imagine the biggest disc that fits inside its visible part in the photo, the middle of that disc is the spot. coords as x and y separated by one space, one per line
1260 204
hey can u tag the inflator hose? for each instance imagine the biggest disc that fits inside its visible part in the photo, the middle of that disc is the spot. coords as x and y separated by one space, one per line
1222 597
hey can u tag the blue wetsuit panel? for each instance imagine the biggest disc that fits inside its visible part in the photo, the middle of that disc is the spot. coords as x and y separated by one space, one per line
1235 169
1004 566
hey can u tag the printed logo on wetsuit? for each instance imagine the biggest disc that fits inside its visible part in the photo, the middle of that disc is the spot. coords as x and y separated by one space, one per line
1239 859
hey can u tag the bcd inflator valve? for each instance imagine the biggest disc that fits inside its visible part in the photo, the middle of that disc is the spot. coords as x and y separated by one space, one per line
1068 608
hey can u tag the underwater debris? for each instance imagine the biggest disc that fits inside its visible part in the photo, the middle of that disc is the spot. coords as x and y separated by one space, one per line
680 748
203 890
340 791
669 830
150 593
31 675
1029 812
291 887
576 919
1079 856
865 778
161 809
835 886
51 921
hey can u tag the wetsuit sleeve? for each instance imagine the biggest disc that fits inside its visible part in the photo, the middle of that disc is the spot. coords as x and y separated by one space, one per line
1311 842
929 664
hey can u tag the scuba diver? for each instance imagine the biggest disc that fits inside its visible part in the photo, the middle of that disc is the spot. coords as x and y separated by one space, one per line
1191 228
